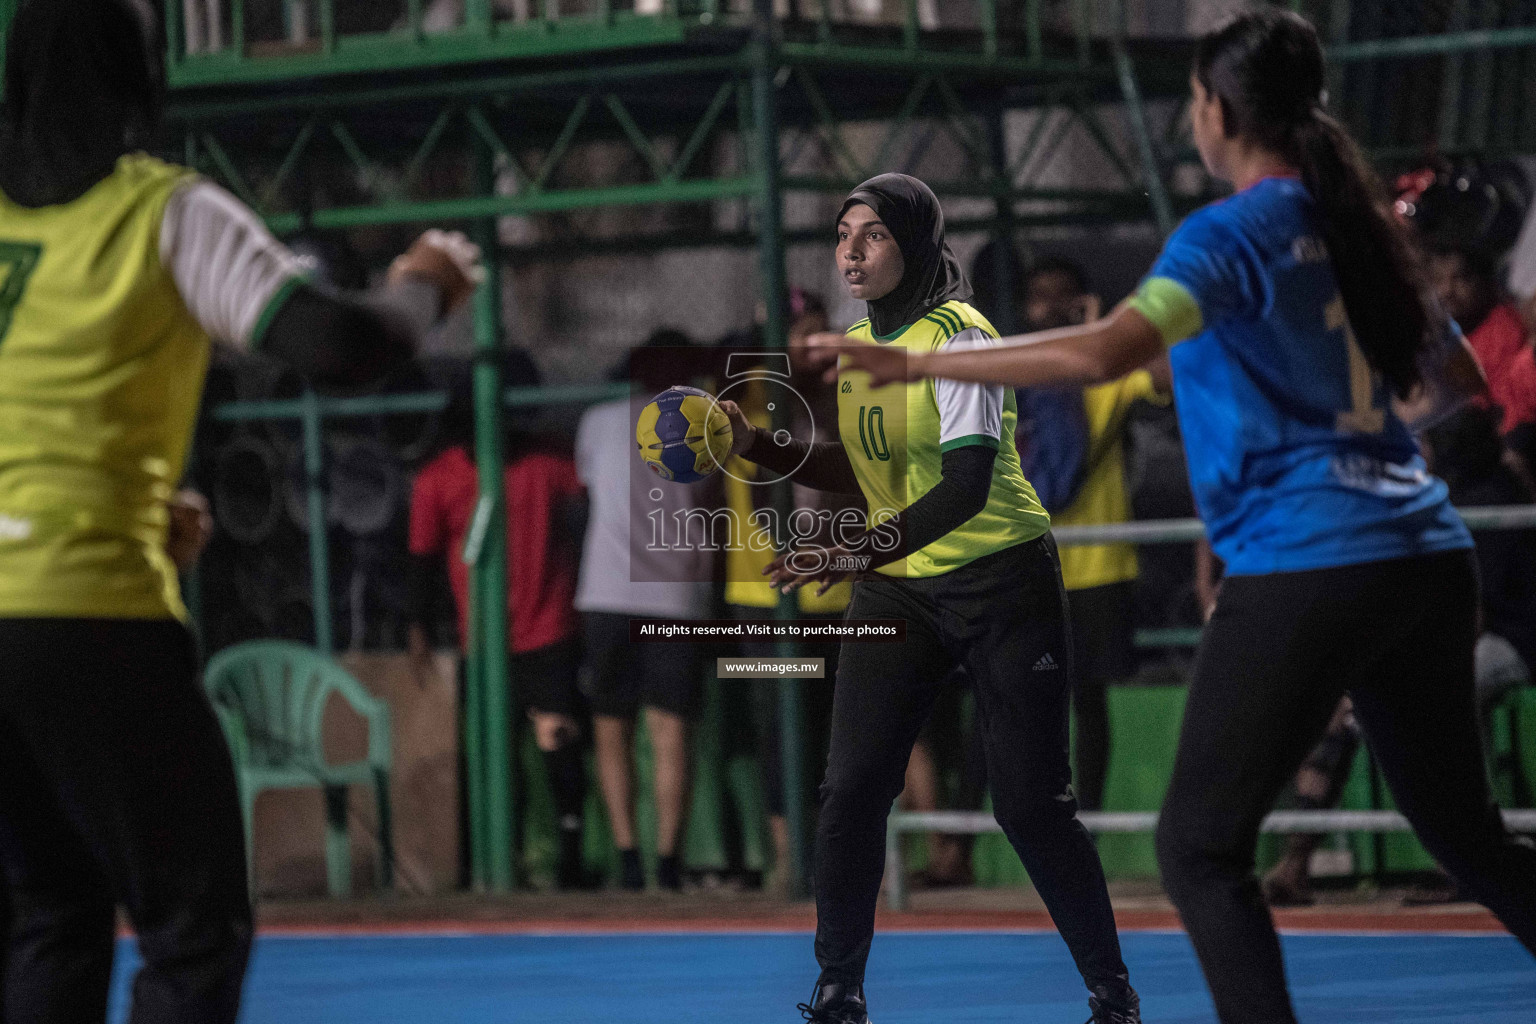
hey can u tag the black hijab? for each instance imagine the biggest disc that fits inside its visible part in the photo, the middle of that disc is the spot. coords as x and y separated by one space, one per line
933 276
84 84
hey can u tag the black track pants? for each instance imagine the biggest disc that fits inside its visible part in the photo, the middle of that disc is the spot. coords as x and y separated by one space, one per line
1004 618
116 787
1277 655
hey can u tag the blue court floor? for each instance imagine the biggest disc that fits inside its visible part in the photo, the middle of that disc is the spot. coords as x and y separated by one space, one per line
913 977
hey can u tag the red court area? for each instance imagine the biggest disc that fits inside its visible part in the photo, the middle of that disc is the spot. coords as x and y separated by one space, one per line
603 915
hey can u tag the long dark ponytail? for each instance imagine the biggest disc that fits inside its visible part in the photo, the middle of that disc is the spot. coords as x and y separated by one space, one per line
1266 68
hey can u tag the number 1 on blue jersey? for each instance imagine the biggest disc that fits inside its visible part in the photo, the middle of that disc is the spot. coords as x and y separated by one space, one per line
1362 417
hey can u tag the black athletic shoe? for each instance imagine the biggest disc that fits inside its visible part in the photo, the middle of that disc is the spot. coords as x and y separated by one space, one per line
669 873
631 877
835 1004
1103 1013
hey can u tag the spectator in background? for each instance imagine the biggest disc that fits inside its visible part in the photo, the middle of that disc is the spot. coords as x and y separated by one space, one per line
1466 453
543 658
750 596
1319 784
1073 450
623 578
1520 386
1467 283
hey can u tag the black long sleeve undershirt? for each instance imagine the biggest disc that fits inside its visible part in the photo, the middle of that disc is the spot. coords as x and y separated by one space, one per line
822 465
960 494
337 340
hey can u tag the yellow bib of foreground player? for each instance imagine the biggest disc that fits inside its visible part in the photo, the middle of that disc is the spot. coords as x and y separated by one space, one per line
891 435
101 370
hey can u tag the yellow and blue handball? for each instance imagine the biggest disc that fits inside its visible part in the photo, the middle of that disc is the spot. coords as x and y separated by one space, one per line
683 435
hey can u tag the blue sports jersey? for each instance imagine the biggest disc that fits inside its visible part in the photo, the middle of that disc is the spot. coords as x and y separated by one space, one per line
1295 457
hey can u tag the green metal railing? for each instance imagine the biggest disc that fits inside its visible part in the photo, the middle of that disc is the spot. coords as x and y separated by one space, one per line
490 692
1179 531
977 823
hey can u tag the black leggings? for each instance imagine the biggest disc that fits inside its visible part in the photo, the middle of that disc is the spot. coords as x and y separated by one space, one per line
116 787
1004 618
1277 655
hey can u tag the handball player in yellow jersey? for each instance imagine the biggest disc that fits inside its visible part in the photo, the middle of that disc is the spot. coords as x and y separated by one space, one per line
115 271
957 545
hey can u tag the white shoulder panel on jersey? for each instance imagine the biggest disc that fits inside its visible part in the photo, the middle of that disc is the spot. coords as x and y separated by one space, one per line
968 411
226 264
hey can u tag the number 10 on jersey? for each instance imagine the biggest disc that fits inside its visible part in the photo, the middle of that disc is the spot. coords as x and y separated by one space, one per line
872 433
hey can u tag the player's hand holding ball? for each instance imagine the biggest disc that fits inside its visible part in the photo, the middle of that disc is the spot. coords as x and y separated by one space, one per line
447 259
743 431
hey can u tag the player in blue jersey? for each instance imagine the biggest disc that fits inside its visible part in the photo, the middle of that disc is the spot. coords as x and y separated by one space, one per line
1296 314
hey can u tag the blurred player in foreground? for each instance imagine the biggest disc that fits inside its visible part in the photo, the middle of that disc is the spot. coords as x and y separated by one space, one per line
1295 310
118 786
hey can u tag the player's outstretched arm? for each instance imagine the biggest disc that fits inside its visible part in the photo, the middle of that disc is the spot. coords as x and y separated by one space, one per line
248 290
339 339
1094 353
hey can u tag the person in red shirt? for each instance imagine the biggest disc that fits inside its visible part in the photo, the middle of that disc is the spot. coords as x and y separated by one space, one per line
1520 439
543 495
1467 284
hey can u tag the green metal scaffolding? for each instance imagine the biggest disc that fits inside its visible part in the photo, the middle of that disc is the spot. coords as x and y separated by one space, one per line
722 103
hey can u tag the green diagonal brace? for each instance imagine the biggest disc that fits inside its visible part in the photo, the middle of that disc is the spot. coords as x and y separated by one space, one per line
428 144
482 127
1157 191
562 143
291 158
903 117
365 166
636 137
957 122
1090 121
696 140
831 128
227 168
1031 143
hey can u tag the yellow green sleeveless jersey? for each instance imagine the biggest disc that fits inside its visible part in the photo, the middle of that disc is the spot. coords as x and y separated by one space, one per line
101 370
896 436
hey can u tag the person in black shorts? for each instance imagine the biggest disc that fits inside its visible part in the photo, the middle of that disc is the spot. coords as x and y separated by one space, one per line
624 580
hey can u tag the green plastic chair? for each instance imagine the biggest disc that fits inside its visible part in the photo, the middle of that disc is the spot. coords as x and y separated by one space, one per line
271 697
